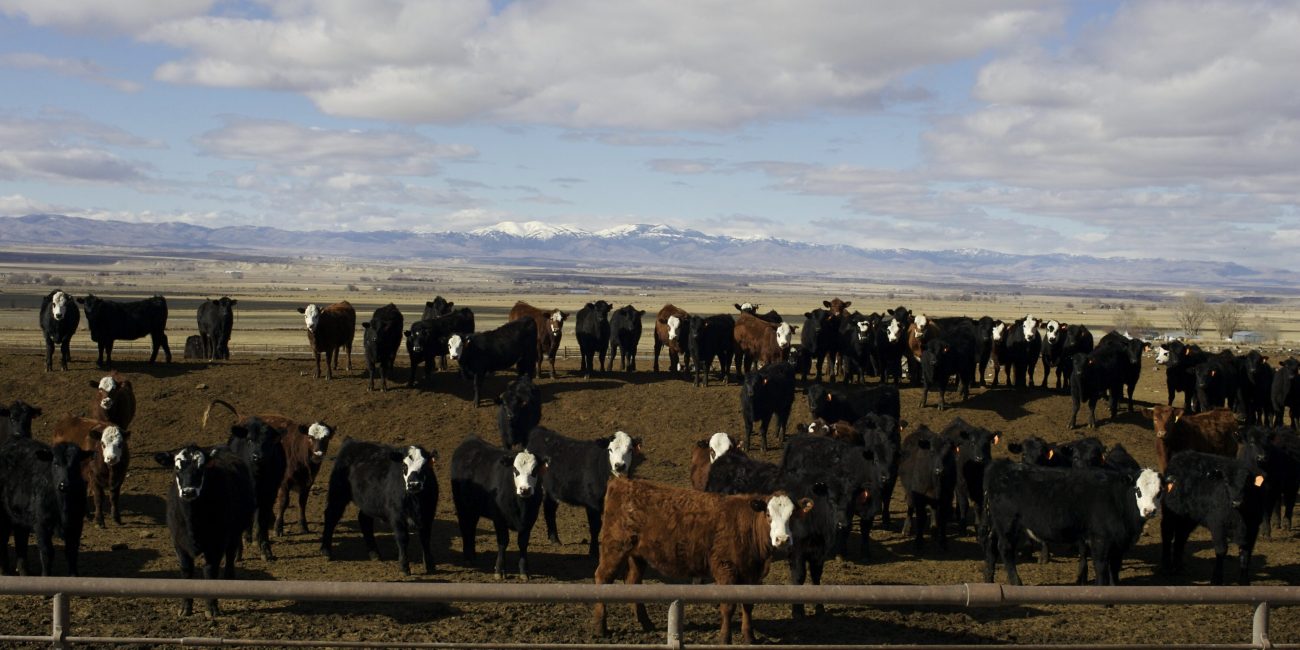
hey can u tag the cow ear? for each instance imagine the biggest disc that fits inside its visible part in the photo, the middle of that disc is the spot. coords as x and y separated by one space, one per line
43 455
640 313
238 431
1147 412
81 300
507 461
93 384
902 425
807 314
847 303
591 305
234 302
164 458
758 505
301 310
96 434
737 306
826 304
433 455
406 332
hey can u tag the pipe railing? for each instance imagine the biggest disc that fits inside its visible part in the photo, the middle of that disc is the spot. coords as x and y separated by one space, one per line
974 595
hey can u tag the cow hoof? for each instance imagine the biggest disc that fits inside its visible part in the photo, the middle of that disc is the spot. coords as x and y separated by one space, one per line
406 570
100 524
325 553
554 539
501 575
374 555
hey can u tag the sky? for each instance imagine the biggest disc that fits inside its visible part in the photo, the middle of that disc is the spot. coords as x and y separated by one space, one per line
1143 129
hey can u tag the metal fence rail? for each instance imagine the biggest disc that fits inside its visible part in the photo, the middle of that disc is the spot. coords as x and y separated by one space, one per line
61 590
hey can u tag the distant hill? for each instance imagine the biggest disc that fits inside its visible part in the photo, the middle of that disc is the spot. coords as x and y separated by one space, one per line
645 245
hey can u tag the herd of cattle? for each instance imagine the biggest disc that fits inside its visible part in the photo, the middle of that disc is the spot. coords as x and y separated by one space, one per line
1224 459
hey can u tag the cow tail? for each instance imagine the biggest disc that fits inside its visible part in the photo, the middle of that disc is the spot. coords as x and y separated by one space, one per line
208 411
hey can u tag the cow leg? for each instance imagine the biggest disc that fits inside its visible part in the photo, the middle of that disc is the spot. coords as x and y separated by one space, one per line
426 543
187 572
402 535
594 524
265 520
1081 578
1245 551
521 540
303 491
5 567
611 558
45 549
114 497
333 512
726 610
49 355
762 427
167 349
468 524
503 540
108 355
815 567
798 575
66 355
20 534
942 514
347 345
989 543
211 571
97 495
1092 413
635 569
1007 545
367 525
282 504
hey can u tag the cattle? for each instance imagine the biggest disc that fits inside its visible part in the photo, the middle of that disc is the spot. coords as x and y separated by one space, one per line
428 338
501 485
834 403
951 354
624 336
1117 459
512 344
1024 346
1082 453
194 348
108 458
881 436
704 452
592 331
929 473
1102 512
1278 458
1130 362
1053 347
59 318
1094 375
672 330
1255 388
732 471
439 306
16 420
887 357
1217 382
1213 432
1078 338
216 319
984 347
921 331
839 430
767 392
258 444
550 328
382 337
328 330
210 502
755 340
836 306
998 352
687 534
1222 494
1180 371
819 339
1285 393
581 479
973 451
111 321
114 400
395 485
519 410
42 492
856 353
711 338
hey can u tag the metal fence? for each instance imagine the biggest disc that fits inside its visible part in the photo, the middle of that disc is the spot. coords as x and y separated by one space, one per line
61 590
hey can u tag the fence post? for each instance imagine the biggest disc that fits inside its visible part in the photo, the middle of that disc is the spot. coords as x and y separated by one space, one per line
1259 630
675 624
60 625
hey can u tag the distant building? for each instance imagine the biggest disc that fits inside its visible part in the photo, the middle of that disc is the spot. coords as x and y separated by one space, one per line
1247 337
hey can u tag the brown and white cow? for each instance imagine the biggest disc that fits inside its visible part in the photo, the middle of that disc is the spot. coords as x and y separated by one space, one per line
920 330
683 533
704 452
104 469
1212 432
671 325
758 340
328 330
550 327
114 400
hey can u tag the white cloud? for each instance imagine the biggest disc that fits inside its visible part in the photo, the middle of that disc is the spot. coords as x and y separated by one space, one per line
64 146
83 69
120 15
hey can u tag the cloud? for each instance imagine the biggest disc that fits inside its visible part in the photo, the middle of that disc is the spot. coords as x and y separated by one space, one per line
83 69
64 146
118 15
684 166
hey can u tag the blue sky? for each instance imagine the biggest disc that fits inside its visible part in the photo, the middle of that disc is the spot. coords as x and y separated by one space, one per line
1167 129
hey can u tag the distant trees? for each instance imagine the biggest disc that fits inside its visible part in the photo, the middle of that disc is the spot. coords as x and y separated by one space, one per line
1228 317
1191 312
1129 320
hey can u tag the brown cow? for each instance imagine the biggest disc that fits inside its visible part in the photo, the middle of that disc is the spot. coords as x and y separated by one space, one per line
114 400
550 326
684 533
106 466
1212 432
704 452
837 306
761 341
304 449
670 330
328 330
921 330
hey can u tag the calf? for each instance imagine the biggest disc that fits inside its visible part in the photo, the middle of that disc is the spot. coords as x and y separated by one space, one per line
502 486
973 451
439 306
881 436
428 339
1217 382
1222 494
1097 510
711 338
592 331
108 458
210 502
194 348
512 344
756 340
732 471
581 479
216 319
1280 462
392 484
328 330
686 534
258 444
1130 362
1095 375
819 339
59 320
41 492
929 472
114 400
672 330
16 420
952 354
1214 432
1078 339
520 409
1285 392
111 321
766 392
920 332
625 334
550 328
1024 346
383 335
832 403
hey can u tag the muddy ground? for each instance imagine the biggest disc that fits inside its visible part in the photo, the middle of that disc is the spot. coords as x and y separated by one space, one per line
670 414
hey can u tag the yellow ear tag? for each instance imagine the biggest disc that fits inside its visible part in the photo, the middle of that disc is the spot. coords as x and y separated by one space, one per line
1178 417
1050 453
1169 487
1259 481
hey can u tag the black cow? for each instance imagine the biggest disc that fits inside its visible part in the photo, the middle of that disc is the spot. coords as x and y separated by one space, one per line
503 486
766 392
1222 494
625 334
1217 382
711 338
520 409
392 484
953 354
929 472
258 444
1099 511
732 471
194 348
216 319
984 346
592 331
512 344
819 338
581 479
428 338
210 502
111 321
973 453
835 403
1130 362
1024 347
1094 375
1180 371
1083 453
382 337
1286 392
41 491
1255 388
881 436
439 306
1117 459
1280 462
59 320
16 420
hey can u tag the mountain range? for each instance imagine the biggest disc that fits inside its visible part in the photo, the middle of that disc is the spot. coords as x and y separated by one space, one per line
650 246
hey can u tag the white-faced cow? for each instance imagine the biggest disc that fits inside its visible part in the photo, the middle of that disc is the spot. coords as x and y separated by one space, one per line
59 320
504 486
328 330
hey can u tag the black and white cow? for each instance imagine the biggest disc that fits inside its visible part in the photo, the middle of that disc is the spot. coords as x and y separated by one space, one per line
1222 494
216 319
504 486
929 472
625 334
16 420
258 444
581 479
513 344
519 410
111 321
766 392
1024 347
886 354
59 320
210 502
382 337
592 331
41 491
1053 350
711 338
392 484
428 338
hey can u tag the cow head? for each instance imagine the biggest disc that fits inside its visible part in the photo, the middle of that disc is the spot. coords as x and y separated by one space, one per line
255 442
417 338
517 396
785 335
59 305
112 440
110 390
225 306
439 306
746 307
719 444
894 331
975 444
836 305
621 448
528 469
1053 330
310 316
456 346
999 330
319 433
1147 493
780 508
1163 418
20 415
91 303
555 321
1030 327
601 308
415 471
674 327
188 466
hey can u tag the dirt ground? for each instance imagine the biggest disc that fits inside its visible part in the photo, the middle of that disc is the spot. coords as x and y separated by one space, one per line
670 414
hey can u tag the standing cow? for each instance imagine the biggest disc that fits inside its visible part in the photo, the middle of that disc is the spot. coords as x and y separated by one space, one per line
59 320
111 321
503 486
216 320
328 330
383 335
16 420
41 492
625 334
672 330
480 354
581 479
114 400
592 331
550 328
